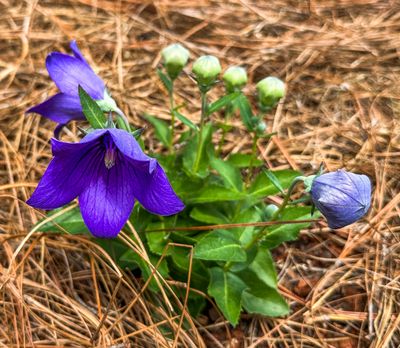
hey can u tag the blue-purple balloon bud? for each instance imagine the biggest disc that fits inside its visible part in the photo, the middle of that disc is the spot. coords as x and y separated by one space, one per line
342 197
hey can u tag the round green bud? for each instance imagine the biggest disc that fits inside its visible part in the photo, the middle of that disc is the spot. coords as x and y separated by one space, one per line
235 77
270 91
261 127
206 69
269 210
175 57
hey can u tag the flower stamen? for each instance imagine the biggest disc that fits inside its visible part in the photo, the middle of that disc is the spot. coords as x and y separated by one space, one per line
110 154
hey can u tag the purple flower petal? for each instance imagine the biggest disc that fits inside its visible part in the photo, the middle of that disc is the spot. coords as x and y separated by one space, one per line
154 192
60 108
76 51
67 174
69 72
128 145
108 200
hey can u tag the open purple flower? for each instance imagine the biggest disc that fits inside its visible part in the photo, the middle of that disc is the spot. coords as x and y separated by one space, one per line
107 171
342 197
68 72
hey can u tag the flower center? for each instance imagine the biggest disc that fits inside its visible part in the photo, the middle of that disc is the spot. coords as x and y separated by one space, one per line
111 153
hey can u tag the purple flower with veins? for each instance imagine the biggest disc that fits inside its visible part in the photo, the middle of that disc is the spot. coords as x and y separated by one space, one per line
107 170
342 197
68 72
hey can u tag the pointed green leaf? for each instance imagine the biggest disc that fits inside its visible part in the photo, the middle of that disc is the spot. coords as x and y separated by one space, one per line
286 232
222 102
165 80
197 153
71 221
226 288
208 214
274 180
263 266
161 128
91 110
260 298
263 186
243 160
219 245
245 112
185 120
231 175
214 193
265 301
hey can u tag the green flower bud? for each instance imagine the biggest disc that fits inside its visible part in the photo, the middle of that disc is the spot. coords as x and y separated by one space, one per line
206 69
269 210
261 127
270 91
175 57
235 78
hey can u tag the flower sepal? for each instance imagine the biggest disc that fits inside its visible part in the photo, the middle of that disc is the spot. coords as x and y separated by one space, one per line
107 104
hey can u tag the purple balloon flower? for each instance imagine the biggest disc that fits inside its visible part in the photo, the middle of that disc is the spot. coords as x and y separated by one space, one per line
68 72
342 197
107 171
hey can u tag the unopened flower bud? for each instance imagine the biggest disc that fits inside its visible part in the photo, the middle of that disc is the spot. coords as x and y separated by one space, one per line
175 57
270 91
342 197
269 210
261 127
206 69
235 78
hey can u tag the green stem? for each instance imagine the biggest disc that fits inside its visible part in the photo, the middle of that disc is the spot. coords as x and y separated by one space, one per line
228 114
172 106
204 106
253 156
124 123
287 197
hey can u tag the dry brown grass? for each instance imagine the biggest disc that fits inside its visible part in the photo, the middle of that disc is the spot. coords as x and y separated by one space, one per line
340 60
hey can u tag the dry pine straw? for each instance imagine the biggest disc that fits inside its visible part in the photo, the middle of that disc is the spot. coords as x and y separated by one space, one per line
340 60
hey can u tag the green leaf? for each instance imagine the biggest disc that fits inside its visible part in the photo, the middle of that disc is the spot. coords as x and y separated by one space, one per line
265 301
180 263
274 180
286 232
157 241
71 221
260 298
91 110
243 160
230 175
245 112
245 234
165 80
263 266
132 258
263 186
185 120
222 102
161 128
226 288
208 214
196 156
219 245
214 193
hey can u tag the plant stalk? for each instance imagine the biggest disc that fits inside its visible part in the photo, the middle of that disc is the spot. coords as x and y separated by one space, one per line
172 107
203 115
